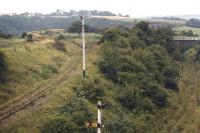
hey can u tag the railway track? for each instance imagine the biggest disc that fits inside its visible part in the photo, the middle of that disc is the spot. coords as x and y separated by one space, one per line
30 98
21 103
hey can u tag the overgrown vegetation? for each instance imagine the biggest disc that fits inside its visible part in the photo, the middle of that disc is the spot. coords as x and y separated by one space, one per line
197 56
136 72
136 77
58 44
3 67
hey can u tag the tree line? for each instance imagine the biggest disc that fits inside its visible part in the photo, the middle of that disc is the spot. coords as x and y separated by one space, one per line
59 12
193 23
16 25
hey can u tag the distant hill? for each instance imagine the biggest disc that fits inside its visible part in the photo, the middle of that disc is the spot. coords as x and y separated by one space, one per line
18 24
180 16
70 13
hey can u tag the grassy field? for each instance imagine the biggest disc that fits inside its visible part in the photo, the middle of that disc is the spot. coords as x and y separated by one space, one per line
186 28
33 64
32 119
129 19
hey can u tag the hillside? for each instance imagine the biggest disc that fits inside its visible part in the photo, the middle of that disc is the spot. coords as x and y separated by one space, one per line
136 73
31 65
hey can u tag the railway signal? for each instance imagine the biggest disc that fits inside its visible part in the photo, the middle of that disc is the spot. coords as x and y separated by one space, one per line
91 124
99 120
99 125
83 41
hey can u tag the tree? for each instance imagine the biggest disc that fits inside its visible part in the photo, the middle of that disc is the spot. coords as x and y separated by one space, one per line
24 34
29 37
188 33
75 27
193 23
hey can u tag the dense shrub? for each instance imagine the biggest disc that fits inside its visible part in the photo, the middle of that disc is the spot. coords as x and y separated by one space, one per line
94 90
61 37
132 99
3 67
48 70
24 34
59 45
29 37
197 56
77 109
59 125
171 75
155 93
136 60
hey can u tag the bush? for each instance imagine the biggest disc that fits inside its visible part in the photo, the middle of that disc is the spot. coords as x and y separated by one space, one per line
61 37
24 34
3 67
171 74
197 56
59 125
93 90
29 37
156 94
48 70
78 111
59 45
132 99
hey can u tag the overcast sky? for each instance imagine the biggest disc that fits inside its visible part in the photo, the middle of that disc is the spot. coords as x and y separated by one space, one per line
135 8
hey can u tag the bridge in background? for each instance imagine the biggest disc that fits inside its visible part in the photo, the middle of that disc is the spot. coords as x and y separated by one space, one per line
187 40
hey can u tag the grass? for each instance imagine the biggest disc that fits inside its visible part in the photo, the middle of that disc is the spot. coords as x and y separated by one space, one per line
33 64
183 113
47 111
186 28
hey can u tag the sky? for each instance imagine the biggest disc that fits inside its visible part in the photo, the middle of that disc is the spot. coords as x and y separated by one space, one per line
135 8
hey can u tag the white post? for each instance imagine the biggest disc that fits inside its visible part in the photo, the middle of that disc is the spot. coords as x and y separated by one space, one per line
83 39
99 123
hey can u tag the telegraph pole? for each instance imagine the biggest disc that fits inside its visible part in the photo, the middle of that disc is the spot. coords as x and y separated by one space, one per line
83 41
99 120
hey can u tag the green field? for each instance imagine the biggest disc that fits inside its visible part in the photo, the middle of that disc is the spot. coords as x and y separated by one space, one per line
129 19
186 28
